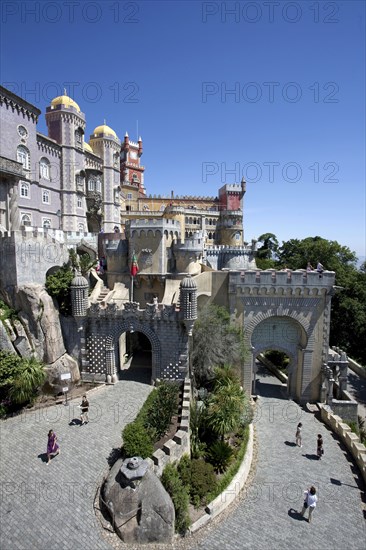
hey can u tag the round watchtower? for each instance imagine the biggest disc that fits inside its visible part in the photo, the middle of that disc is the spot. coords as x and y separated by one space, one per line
79 296
188 302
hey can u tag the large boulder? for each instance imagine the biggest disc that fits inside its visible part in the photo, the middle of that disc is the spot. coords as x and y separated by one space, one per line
142 511
40 319
63 365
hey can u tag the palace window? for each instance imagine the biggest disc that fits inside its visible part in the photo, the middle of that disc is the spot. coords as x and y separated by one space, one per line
80 201
23 156
98 184
129 196
46 197
91 183
46 223
162 208
81 227
26 219
135 179
44 168
78 139
24 190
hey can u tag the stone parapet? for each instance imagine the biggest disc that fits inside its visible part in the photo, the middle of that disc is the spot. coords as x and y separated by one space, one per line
287 278
348 438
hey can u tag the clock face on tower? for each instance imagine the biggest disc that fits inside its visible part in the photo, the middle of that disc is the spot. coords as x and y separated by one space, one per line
133 155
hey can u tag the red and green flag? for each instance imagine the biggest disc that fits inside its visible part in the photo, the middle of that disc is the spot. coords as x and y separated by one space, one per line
134 266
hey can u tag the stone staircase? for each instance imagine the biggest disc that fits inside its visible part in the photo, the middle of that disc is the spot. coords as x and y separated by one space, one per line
102 295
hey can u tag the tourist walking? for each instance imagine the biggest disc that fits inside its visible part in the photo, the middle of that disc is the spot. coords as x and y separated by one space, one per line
84 417
309 502
298 435
53 447
319 447
309 267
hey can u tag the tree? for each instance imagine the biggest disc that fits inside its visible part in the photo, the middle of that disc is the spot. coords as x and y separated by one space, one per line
58 286
216 342
348 318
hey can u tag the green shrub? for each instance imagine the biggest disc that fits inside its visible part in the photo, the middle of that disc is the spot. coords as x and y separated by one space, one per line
179 495
220 455
137 440
232 469
164 405
184 470
203 480
20 379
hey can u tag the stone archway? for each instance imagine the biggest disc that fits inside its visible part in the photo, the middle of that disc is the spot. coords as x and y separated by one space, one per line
113 342
285 334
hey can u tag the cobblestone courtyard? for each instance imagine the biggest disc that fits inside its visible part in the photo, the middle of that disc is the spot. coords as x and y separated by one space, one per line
43 507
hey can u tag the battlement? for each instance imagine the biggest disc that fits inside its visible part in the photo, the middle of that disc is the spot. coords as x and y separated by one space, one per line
237 250
232 188
182 197
155 223
283 278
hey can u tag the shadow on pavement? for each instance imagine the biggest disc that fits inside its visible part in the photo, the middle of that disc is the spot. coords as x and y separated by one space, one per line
295 515
266 389
43 457
310 457
290 443
139 370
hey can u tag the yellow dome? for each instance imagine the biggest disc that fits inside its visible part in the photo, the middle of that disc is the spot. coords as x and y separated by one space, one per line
87 147
65 100
104 129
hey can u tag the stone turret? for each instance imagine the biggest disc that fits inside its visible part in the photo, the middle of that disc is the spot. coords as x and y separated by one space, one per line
79 296
188 302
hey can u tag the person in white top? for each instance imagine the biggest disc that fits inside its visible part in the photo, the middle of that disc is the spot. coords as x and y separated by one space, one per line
310 502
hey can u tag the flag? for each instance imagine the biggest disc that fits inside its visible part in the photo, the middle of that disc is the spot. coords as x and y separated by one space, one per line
134 266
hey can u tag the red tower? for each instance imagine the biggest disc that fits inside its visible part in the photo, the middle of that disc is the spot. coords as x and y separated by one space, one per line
132 172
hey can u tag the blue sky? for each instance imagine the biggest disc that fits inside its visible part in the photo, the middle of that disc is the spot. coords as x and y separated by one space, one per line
272 91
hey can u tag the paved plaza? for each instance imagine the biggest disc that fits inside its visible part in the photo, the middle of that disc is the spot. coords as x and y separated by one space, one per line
44 507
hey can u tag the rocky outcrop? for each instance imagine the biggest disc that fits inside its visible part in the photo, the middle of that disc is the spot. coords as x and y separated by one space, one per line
37 332
40 319
141 510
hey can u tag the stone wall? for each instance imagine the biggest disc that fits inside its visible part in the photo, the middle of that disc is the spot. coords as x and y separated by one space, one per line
350 439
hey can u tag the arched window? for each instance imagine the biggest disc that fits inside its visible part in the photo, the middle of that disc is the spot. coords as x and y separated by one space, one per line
46 197
135 179
24 190
23 156
46 223
162 208
210 235
44 168
145 207
26 219
98 184
81 227
80 201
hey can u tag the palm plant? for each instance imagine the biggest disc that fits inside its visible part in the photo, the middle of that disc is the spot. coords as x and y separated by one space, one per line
29 377
225 408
